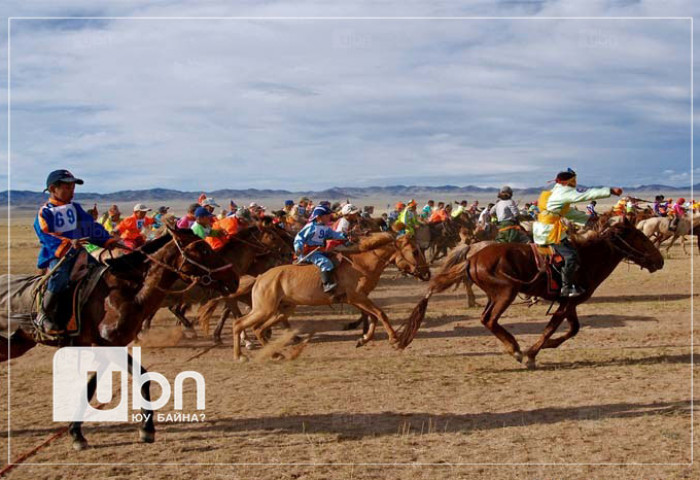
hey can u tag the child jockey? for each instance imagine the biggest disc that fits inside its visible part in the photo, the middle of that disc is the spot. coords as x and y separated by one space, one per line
63 227
202 223
409 218
660 206
229 227
550 230
130 228
348 219
427 210
590 209
111 218
678 213
311 240
506 211
188 219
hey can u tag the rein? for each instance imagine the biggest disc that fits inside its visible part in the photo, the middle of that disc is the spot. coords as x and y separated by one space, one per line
193 280
399 251
631 252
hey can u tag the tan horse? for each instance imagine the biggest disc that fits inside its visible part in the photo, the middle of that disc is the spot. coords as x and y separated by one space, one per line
278 291
659 228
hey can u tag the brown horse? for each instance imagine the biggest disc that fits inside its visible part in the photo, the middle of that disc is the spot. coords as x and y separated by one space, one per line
131 289
251 251
503 270
278 291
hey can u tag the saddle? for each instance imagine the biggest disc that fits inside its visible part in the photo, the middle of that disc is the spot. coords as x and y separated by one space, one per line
83 280
548 260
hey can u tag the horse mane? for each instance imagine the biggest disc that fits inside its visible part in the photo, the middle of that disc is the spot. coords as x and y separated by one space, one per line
135 260
375 240
592 237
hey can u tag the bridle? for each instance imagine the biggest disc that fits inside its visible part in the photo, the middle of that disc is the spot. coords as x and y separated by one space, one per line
629 252
204 280
419 270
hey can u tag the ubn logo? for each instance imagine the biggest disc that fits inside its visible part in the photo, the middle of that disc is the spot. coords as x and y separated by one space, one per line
72 367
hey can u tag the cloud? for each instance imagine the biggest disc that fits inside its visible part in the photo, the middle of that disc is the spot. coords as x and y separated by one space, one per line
302 104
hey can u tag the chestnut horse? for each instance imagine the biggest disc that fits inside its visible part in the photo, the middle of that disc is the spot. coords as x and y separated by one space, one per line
130 290
278 291
503 270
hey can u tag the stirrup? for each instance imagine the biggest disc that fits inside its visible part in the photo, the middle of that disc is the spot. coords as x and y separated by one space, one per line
571 291
48 327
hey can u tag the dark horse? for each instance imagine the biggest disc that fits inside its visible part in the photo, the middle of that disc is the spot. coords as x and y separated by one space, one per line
130 290
502 270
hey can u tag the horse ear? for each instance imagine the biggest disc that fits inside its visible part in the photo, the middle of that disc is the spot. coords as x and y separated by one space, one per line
172 231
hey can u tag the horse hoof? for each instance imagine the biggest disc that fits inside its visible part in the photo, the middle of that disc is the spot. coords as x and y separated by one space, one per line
189 333
360 343
530 363
147 437
518 356
296 339
218 341
278 357
242 359
80 444
248 345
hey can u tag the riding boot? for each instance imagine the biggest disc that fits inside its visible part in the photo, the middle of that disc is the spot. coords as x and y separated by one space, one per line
48 314
328 281
568 289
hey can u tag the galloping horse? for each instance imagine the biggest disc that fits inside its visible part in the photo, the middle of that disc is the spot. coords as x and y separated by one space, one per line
503 270
660 229
278 291
257 249
131 289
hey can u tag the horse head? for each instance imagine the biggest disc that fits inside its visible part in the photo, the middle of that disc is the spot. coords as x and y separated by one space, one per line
278 241
634 245
198 262
409 258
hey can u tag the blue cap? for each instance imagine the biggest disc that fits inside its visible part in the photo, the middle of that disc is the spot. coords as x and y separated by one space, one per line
202 212
288 203
319 211
64 176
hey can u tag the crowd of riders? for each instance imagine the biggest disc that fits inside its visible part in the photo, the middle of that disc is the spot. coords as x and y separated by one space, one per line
64 227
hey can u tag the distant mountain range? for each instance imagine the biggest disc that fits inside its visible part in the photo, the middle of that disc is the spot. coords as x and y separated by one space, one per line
23 198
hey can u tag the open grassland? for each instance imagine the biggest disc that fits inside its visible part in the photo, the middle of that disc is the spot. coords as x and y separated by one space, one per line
618 393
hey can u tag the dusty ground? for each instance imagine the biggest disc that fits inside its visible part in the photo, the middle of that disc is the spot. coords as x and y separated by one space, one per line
619 393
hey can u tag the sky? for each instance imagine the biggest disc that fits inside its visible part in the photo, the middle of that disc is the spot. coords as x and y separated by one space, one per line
205 104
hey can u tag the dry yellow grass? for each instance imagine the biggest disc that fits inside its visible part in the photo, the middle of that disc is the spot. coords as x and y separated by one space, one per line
618 393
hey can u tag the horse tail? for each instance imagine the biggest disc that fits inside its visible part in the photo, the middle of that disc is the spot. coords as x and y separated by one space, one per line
205 313
453 270
407 332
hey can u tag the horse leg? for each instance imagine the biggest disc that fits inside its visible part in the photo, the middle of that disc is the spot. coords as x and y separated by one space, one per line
374 312
220 326
75 428
179 312
254 317
549 330
147 430
670 244
489 318
685 250
18 347
574 325
363 320
471 298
